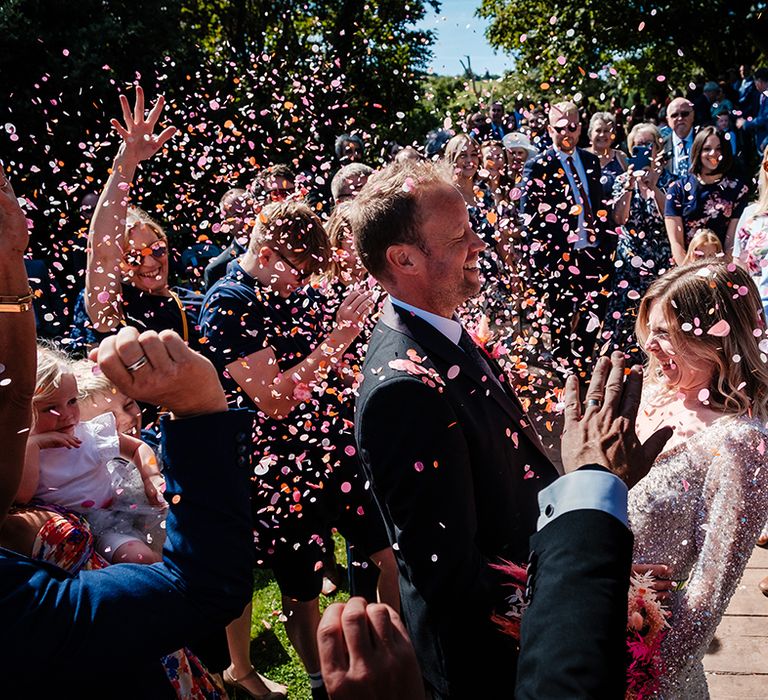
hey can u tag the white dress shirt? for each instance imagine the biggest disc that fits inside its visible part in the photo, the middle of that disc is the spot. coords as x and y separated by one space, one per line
583 489
449 327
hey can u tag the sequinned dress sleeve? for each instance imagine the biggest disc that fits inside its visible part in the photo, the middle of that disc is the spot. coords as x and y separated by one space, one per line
733 509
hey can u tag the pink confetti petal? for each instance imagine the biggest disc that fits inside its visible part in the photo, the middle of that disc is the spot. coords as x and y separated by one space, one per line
720 329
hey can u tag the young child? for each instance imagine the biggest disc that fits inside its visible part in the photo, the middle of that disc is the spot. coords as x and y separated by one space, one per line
704 244
97 396
66 461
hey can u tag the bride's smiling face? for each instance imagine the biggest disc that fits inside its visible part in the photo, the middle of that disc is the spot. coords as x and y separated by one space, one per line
683 371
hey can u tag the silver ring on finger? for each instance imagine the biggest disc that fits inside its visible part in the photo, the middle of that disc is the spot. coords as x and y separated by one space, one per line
137 365
594 402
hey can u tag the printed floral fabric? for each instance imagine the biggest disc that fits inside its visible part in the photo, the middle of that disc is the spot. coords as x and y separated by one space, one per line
709 206
66 541
751 248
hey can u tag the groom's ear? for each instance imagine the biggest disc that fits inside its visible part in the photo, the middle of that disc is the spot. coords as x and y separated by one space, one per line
401 260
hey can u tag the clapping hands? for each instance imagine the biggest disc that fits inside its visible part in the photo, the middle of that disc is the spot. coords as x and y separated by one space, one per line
366 652
160 369
355 308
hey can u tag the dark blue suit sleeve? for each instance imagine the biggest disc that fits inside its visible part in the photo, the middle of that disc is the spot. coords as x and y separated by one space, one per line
573 642
138 613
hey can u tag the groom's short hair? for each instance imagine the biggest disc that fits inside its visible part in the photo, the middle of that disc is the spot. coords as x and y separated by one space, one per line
386 212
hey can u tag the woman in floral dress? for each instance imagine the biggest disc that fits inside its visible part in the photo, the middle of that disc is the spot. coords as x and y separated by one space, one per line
707 197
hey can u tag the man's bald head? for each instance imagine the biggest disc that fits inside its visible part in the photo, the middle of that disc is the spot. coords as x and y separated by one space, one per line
680 117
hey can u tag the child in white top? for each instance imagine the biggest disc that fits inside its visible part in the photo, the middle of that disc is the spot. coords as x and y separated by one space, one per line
131 513
66 460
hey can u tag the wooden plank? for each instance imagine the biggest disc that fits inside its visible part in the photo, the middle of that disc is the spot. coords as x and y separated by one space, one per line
748 600
759 559
730 687
743 626
738 655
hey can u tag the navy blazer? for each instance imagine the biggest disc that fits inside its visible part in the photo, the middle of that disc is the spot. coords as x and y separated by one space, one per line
758 125
456 467
573 637
547 203
65 635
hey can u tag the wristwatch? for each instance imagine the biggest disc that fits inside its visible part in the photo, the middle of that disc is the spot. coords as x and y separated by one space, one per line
15 305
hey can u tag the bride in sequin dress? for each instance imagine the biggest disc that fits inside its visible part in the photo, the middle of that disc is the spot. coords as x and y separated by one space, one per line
702 506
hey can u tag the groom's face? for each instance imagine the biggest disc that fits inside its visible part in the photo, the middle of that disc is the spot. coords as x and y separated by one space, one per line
452 248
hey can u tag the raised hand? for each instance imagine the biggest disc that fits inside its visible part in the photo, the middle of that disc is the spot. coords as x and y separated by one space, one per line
354 309
139 140
603 432
14 235
160 369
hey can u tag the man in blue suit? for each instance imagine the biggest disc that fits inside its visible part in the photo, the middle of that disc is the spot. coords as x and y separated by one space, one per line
66 635
757 126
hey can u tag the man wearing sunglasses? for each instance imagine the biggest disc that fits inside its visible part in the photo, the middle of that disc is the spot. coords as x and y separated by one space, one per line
566 232
679 141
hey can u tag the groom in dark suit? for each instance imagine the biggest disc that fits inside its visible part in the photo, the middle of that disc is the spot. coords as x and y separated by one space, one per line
566 229
454 461
573 642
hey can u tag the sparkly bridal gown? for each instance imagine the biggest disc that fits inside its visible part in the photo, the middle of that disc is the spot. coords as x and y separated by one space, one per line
699 511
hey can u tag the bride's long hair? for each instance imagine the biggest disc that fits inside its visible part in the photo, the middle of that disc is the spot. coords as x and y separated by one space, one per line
715 317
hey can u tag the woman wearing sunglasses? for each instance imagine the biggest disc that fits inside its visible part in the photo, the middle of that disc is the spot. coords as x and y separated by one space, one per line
126 279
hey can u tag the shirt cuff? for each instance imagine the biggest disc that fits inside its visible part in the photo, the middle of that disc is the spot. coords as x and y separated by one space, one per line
583 489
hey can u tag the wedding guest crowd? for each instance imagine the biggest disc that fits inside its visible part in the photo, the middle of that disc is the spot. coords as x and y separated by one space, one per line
386 356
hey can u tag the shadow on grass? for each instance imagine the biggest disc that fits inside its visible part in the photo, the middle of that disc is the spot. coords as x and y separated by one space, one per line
267 648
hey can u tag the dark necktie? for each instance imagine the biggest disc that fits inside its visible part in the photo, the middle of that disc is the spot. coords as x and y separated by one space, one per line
585 205
469 346
683 160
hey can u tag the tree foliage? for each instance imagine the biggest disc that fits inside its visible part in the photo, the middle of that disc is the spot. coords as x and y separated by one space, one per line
622 48
249 82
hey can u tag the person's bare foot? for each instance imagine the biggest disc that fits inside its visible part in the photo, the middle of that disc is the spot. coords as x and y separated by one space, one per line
762 541
256 685
763 586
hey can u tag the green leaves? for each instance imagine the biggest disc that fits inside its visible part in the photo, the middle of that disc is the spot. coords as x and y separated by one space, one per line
629 46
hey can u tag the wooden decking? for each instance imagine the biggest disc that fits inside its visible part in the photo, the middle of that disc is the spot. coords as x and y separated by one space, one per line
737 662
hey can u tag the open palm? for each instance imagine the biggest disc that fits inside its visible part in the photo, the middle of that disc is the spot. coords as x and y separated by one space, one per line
140 141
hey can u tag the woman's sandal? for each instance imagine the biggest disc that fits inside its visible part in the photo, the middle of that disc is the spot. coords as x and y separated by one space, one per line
762 541
763 586
272 688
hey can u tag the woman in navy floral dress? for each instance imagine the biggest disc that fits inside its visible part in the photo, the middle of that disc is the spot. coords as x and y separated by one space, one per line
707 197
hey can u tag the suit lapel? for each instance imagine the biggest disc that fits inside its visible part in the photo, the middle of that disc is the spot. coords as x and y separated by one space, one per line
435 342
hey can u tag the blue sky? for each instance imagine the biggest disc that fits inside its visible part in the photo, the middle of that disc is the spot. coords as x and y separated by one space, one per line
460 33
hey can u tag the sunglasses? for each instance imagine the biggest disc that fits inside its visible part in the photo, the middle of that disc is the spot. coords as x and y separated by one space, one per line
300 275
562 129
681 115
135 257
